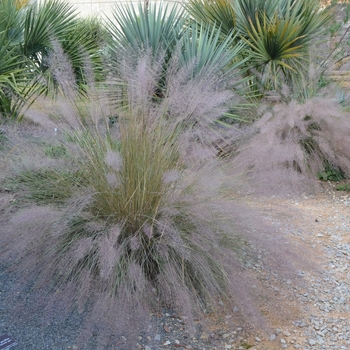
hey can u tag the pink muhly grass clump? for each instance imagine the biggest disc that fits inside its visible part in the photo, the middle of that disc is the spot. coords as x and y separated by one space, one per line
292 143
151 219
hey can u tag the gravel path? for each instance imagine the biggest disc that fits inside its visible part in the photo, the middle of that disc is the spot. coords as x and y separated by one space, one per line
320 319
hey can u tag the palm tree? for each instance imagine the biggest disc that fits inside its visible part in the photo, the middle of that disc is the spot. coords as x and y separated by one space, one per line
277 32
29 36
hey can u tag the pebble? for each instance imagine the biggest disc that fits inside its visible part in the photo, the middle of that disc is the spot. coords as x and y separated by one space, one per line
204 336
312 342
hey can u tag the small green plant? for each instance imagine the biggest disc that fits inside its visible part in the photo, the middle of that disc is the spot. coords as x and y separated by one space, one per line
330 173
343 187
245 345
44 186
3 140
55 151
334 28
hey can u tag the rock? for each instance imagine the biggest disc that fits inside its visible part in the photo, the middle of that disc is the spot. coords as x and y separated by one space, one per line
312 342
257 339
272 337
147 347
204 336
167 343
157 337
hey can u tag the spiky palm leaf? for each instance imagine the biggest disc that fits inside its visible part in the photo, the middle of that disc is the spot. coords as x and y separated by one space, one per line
275 47
55 23
279 35
16 71
43 22
28 36
202 44
157 29
216 13
250 12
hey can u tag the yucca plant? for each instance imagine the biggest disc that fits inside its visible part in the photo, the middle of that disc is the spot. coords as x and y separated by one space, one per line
278 33
280 39
199 46
202 44
158 28
219 13
203 49
250 12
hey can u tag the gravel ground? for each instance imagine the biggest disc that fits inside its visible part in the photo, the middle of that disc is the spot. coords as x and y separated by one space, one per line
320 320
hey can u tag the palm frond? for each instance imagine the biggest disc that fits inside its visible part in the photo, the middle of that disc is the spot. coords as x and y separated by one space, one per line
44 21
158 28
203 44
216 13
279 35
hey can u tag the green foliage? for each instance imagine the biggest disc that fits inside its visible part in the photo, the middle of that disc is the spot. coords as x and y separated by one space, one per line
27 39
55 23
219 13
3 140
163 32
246 345
277 33
330 173
202 44
16 74
343 187
46 186
55 151
43 22
157 29
279 39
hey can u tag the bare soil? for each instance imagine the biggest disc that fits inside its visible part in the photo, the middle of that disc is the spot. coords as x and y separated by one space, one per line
306 224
